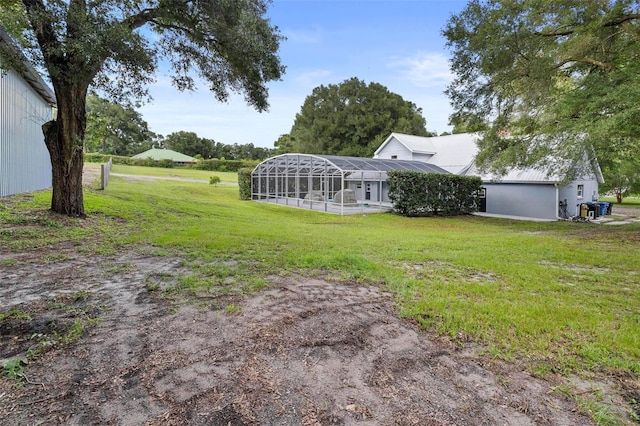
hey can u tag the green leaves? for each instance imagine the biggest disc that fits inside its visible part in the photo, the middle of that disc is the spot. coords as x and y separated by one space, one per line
114 129
420 194
190 144
244 183
565 69
109 45
351 118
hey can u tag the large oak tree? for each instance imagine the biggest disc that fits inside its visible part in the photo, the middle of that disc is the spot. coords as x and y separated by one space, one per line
115 129
189 143
351 118
559 77
115 46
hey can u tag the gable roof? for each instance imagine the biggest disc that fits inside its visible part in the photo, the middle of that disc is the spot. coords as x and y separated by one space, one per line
9 47
454 153
418 144
165 154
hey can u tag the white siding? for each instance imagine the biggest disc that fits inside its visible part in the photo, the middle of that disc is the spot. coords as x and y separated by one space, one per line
570 193
24 159
395 148
422 157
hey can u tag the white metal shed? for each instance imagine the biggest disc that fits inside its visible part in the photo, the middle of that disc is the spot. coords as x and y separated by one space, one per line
26 103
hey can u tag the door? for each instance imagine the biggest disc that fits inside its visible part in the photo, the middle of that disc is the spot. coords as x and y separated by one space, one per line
482 196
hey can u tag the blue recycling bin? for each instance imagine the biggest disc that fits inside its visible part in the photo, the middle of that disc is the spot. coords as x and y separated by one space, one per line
604 205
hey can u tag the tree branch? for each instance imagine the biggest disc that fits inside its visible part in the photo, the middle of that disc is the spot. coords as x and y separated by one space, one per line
613 23
193 35
589 61
43 29
141 18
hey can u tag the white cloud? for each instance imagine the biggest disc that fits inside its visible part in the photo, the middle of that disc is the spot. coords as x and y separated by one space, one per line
424 69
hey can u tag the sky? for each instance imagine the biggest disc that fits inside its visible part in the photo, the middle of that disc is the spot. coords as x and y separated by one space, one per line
396 43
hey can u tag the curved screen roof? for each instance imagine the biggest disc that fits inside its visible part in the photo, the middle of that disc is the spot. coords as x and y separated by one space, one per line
332 164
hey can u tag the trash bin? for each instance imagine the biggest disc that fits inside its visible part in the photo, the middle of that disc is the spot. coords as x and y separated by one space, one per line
584 210
609 207
603 208
594 210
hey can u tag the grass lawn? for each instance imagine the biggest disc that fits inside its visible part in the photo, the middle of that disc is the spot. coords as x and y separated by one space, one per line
631 202
179 172
557 297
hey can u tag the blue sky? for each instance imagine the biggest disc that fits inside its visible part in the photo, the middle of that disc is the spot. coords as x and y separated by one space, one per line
396 43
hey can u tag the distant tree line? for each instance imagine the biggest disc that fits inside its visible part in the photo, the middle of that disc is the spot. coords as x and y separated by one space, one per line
190 143
119 130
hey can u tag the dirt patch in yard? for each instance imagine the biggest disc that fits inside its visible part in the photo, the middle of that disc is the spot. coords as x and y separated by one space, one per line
304 351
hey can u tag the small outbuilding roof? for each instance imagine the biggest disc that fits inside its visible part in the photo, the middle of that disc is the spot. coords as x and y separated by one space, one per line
336 165
165 154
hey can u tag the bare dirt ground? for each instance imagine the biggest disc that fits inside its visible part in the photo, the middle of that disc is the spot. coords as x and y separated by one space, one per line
305 351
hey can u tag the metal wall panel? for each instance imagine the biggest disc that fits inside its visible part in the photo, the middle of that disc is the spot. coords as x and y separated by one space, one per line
24 160
519 199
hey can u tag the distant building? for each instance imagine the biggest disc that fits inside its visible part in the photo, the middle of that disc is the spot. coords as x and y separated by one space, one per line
527 192
26 103
157 154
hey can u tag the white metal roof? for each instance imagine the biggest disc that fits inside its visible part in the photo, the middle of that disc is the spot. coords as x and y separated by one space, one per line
27 71
418 144
529 175
457 153
454 153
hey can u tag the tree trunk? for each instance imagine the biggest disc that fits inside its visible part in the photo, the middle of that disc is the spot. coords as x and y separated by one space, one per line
64 138
619 197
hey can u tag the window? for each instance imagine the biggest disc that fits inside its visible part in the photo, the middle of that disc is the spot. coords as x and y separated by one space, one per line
394 157
580 191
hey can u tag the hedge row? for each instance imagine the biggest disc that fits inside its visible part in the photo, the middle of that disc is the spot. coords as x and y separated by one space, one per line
225 165
212 165
118 159
417 194
244 183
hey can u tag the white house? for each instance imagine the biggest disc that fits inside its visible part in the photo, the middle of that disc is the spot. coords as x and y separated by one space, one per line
521 192
26 103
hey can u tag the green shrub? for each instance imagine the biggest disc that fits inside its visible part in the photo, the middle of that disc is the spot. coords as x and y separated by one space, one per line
244 183
214 180
214 165
417 194
225 165
128 161
167 164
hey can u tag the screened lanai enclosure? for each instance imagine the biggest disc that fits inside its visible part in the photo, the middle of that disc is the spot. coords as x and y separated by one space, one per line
333 184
